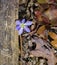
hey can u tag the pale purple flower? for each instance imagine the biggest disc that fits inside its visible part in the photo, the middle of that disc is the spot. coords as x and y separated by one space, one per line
23 26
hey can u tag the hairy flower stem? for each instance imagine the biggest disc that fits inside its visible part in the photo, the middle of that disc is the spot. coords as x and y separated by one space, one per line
21 48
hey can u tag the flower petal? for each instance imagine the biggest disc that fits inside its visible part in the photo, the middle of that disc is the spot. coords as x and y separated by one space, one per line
18 22
17 27
27 29
20 31
23 20
28 23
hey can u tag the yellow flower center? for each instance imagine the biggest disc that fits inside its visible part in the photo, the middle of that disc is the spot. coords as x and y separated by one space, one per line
22 25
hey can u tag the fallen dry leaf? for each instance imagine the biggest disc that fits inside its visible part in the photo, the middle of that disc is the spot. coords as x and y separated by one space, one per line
41 29
53 35
51 14
54 43
40 51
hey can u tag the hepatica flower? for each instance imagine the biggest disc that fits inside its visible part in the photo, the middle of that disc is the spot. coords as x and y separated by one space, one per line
22 26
